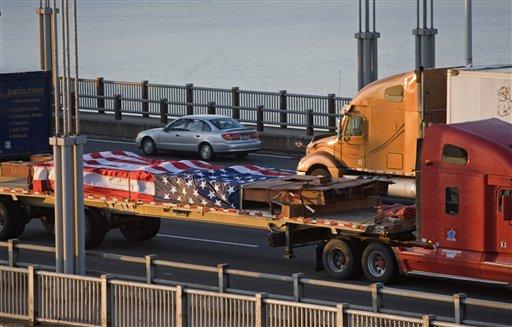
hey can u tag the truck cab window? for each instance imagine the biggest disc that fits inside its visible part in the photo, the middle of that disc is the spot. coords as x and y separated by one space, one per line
453 155
355 126
501 193
452 201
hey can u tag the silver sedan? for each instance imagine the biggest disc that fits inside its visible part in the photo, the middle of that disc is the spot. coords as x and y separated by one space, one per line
205 134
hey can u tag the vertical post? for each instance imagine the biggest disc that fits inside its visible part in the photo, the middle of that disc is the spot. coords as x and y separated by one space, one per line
150 268
283 105
260 311
376 297
341 317
105 300
117 107
32 294
259 118
164 111
223 277
459 308
235 102
181 307
45 48
189 88
73 104
468 35
211 108
12 247
331 109
298 287
309 127
68 207
100 92
78 152
427 320
144 94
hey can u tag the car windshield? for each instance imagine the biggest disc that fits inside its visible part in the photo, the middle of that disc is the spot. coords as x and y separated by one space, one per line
226 123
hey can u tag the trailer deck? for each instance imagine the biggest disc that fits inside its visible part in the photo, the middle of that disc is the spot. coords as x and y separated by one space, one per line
337 204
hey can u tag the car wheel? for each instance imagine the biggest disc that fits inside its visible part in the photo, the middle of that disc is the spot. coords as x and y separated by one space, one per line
320 172
148 146
206 152
241 155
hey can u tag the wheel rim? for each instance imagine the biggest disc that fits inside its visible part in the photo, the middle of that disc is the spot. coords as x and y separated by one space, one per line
376 264
206 152
148 146
337 260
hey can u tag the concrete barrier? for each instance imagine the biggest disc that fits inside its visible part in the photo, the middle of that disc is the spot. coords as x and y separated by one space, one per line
106 127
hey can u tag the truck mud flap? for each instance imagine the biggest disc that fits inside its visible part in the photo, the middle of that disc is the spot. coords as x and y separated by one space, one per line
319 249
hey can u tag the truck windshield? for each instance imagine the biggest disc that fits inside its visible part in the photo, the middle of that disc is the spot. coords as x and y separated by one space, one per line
355 126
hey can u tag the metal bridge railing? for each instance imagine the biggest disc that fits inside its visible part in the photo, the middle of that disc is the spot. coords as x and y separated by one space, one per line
99 302
223 274
146 99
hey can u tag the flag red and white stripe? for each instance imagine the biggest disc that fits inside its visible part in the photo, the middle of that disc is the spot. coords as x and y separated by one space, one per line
126 175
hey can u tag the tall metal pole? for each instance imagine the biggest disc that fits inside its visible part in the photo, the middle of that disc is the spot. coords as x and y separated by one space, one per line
468 36
424 36
366 47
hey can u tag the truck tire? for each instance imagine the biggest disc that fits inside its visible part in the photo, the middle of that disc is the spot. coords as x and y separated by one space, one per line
11 224
320 172
95 228
141 229
341 258
379 263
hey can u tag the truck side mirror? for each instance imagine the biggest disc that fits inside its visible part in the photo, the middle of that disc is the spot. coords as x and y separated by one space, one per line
507 207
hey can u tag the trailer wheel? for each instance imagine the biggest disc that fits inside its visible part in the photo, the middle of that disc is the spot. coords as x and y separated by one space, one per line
379 263
48 223
141 229
341 258
95 228
11 224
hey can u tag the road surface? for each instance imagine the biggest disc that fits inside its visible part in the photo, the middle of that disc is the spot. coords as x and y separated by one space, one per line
241 248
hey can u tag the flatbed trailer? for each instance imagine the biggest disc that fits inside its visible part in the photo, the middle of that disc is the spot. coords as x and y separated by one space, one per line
297 211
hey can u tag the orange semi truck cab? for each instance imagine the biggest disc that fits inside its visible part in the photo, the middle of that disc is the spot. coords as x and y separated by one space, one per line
380 127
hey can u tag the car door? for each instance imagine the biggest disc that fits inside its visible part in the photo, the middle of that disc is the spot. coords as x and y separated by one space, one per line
171 138
353 150
194 134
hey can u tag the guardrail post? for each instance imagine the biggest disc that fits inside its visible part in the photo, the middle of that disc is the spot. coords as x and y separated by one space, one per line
341 316
100 91
427 320
309 127
259 118
14 254
189 88
283 105
376 296
331 109
211 108
73 104
260 311
144 94
235 102
105 296
298 287
164 110
181 307
459 307
150 268
32 294
117 107
223 277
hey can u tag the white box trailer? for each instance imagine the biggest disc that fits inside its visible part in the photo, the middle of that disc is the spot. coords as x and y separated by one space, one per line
479 93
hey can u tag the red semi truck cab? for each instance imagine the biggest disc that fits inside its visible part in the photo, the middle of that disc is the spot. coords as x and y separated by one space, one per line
465 203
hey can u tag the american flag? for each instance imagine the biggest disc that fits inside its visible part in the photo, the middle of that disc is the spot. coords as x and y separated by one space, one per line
126 175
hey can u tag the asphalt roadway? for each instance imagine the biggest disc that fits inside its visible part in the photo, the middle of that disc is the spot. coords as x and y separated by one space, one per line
241 248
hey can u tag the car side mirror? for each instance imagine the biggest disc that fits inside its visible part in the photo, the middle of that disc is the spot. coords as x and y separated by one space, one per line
507 207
